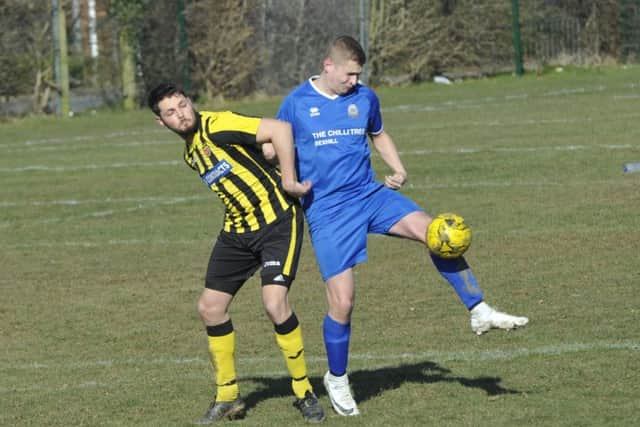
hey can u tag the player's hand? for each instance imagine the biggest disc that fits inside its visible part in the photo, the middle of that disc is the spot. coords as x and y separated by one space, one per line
297 189
395 181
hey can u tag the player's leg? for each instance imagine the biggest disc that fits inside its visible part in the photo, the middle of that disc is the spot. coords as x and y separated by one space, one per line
288 333
213 309
280 250
336 330
455 271
229 267
337 323
340 242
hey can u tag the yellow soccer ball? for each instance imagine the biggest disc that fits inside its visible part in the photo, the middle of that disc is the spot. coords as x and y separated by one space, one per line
448 236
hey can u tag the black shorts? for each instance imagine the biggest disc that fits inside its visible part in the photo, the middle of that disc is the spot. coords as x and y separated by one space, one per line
275 248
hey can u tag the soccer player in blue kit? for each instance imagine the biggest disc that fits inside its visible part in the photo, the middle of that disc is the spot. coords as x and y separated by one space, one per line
332 115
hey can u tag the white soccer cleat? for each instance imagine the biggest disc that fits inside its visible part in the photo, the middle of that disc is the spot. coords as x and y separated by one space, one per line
483 318
340 394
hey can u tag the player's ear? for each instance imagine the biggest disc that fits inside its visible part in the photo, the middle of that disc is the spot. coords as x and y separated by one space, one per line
327 63
159 121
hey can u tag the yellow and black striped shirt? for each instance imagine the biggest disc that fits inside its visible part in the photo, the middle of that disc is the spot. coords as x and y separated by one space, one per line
224 152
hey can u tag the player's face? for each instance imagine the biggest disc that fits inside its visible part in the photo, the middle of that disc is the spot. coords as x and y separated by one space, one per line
343 76
177 113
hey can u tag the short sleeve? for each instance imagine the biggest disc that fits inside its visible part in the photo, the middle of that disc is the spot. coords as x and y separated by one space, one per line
285 110
232 128
374 125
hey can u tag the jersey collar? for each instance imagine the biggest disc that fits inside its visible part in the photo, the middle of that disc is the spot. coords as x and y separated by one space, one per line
317 89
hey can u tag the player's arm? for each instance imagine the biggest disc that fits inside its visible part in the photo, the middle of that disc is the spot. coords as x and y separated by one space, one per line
269 153
278 133
284 114
388 152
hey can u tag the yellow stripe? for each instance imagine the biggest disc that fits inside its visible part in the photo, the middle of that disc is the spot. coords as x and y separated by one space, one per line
292 242
233 191
230 121
241 198
267 208
283 202
252 182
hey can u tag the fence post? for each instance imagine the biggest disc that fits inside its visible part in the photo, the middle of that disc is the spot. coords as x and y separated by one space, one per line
61 57
363 24
517 46
183 45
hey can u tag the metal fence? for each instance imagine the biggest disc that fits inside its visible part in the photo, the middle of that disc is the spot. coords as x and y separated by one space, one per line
409 40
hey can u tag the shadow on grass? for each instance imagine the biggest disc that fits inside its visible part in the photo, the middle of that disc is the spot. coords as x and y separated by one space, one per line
369 383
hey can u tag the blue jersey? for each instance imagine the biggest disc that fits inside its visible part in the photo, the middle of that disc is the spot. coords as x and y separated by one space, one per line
332 149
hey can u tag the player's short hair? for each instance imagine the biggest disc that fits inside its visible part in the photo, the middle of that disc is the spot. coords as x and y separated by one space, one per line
160 92
346 48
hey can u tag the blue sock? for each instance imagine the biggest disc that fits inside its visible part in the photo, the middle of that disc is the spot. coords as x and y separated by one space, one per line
460 277
336 342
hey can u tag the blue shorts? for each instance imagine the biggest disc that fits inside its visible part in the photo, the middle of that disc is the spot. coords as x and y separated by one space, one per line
339 234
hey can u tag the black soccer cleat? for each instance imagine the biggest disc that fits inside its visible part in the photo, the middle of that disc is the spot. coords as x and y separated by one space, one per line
219 410
311 410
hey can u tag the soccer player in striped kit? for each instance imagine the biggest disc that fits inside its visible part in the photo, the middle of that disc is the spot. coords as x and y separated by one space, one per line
262 228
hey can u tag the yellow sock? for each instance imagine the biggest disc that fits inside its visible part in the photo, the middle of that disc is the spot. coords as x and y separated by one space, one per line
221 351
289 338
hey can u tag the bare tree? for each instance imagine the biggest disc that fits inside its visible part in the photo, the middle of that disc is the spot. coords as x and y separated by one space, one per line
296 34
129 15
412 40
224 59
160 56
26 57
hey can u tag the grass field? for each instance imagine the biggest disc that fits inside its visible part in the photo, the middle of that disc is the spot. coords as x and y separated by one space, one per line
103 254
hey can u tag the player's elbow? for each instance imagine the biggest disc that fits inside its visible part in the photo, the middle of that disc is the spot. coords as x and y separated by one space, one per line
269 153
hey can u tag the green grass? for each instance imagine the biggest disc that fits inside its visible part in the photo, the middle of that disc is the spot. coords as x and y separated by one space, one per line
101 267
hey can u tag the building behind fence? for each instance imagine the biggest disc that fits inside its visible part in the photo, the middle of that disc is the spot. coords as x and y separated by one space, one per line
235 48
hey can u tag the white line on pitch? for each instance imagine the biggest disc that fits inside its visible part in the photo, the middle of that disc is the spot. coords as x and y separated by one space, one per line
148 203
140 204
468 103
69 144
359 358
77 147
185 199
93 166
108 200
111 242
475 150
92 137
587 230
435 356
502 100
507 184
459 150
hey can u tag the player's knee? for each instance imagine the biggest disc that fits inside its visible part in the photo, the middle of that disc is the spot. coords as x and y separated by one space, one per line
211 310
341 306
413 226
419 226
277 309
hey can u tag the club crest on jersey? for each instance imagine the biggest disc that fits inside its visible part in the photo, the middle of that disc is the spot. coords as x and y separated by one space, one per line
352 110
314 111
207 150
213 175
